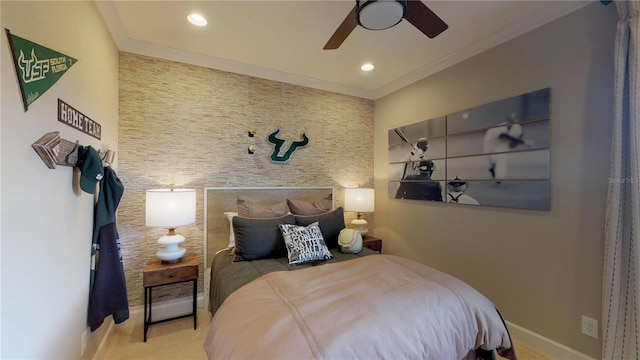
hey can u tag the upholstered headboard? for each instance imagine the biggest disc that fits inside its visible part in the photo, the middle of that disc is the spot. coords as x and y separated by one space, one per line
218 200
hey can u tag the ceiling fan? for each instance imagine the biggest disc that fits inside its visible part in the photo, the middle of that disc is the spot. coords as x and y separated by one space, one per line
383 14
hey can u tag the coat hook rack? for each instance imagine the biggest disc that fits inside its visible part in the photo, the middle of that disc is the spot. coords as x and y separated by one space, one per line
107 156
54 150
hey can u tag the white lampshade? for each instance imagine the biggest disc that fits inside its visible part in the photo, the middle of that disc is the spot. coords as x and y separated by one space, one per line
359 200
170 208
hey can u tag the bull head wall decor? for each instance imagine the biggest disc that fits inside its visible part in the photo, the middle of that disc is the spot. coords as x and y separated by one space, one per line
278 146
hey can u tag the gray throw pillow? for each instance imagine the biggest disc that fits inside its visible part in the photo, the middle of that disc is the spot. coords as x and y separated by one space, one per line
330 224
259 238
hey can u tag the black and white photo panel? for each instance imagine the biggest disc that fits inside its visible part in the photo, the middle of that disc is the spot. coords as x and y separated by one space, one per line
427 190
422 169
527 136
526 194
523 108
424 149
422 130
495 154
525 165
522 194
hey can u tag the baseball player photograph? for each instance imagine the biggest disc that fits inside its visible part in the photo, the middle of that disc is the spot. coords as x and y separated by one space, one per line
420 186
498 141
406 153
501 148
456 189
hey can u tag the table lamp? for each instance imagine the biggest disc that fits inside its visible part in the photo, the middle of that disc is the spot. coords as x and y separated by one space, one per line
359 200
170 208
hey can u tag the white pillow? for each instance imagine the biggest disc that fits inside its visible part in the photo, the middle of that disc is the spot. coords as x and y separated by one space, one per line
232 237
304 243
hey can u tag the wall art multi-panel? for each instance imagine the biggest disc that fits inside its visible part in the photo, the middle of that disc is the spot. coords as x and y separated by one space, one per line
497 154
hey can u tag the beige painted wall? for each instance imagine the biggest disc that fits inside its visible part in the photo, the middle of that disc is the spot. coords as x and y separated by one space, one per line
187 125
46 226
542 269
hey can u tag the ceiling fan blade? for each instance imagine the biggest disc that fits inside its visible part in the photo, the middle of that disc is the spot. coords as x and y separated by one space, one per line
420 16
340 35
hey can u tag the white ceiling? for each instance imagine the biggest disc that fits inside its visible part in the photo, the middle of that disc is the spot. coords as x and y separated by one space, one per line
283 40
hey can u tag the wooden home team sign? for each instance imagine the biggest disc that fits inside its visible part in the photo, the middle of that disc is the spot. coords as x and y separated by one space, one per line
74 118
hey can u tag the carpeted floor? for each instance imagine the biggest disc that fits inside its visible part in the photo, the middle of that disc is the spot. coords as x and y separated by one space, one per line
177 340
174 339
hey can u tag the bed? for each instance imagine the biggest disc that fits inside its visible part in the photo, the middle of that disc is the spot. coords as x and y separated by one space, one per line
332 305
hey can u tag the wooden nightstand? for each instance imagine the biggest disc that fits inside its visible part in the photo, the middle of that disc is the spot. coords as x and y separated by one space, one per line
158 274
372 242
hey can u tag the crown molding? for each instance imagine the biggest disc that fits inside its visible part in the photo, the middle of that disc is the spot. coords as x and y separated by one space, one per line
540 18
123 43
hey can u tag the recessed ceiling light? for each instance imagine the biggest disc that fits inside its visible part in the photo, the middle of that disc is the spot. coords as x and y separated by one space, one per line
367 67
197 19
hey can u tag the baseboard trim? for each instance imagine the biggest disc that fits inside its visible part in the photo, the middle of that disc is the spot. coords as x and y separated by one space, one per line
545 345
99 355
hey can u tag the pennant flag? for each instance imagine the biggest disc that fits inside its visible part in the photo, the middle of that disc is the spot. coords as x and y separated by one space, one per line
37 67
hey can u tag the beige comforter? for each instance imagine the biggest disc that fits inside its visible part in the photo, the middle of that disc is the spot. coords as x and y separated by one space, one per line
373 307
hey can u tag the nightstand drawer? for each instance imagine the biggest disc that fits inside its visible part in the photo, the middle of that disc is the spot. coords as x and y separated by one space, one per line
156 273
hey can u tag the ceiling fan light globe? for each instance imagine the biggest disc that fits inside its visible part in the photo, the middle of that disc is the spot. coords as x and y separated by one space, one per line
380 14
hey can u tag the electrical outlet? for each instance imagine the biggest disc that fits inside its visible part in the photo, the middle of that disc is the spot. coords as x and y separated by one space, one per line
83 343
590 327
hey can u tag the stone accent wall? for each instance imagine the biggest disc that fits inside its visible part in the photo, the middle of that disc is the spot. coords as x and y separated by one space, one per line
187 125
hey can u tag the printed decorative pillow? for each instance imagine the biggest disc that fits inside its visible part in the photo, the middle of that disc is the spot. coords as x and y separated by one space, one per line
330 224
304 243
320 206
232 238
259 238
253 210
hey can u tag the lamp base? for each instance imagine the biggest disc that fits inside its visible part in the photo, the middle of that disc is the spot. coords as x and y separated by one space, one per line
171 253
360 225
